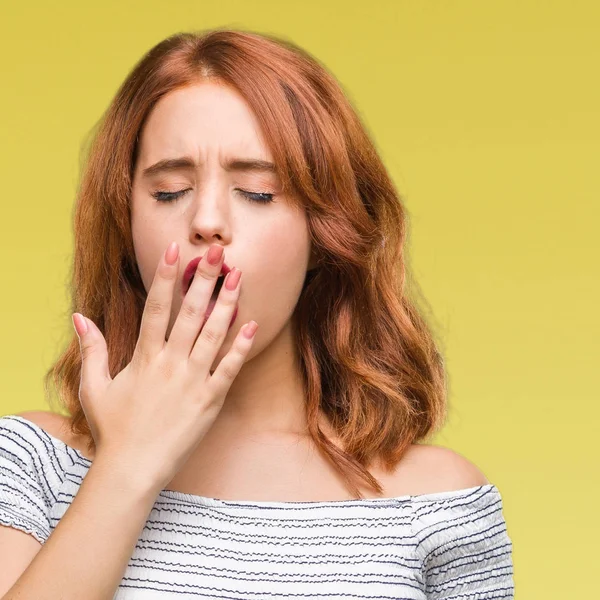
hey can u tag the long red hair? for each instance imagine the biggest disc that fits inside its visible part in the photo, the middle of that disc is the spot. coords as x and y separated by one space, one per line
369 360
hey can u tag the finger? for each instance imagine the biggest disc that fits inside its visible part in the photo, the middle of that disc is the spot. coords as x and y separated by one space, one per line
194 307
157 309
94 356
217 326
231 364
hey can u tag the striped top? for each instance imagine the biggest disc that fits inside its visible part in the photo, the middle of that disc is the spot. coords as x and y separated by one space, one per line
452 545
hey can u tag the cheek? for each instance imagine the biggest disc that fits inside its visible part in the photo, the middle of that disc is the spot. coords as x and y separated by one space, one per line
147 248
278 283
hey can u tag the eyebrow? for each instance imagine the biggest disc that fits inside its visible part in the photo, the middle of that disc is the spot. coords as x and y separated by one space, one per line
186 163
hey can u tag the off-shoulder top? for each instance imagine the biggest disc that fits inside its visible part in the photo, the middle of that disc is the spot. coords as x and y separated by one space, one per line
450 545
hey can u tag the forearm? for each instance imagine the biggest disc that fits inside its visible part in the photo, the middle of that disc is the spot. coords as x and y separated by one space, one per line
87 553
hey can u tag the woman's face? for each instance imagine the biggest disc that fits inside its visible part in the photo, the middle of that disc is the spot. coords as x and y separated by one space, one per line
211 124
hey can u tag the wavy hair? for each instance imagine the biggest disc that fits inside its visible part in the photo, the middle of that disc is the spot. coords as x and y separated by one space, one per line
369 361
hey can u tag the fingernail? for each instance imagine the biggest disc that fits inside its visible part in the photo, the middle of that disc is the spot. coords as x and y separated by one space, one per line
250 329
233 278
214 254
172 253
79 324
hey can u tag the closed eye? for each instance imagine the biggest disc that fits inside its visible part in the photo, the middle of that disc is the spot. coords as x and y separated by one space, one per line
258 197
168 196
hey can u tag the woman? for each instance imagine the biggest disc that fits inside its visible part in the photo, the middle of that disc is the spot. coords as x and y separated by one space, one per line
257 437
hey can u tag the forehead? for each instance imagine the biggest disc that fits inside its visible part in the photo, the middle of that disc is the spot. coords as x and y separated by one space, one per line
200 120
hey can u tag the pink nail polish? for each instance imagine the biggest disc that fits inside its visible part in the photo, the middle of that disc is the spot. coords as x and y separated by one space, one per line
233 278
214 254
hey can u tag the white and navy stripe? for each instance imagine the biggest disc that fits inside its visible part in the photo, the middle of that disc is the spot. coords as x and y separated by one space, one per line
448 545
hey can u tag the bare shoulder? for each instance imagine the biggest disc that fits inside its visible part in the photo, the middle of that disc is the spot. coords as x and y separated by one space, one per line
55 424
428 469
453 467
48 421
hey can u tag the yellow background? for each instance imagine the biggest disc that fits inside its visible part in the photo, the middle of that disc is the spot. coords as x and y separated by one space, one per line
487 116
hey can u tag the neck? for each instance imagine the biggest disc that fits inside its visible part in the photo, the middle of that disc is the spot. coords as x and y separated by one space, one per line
268 395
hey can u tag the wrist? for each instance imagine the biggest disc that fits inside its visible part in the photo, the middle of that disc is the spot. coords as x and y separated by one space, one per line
127 479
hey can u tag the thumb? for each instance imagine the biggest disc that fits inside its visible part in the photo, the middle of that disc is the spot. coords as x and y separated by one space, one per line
94 353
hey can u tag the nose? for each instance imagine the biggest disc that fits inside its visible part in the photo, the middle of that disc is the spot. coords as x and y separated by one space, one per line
209 220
